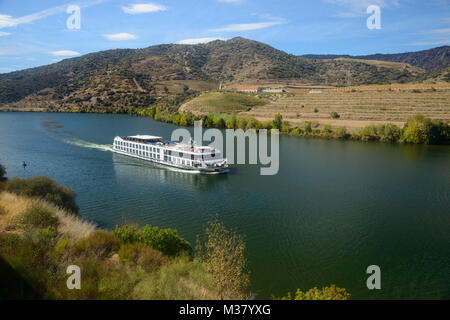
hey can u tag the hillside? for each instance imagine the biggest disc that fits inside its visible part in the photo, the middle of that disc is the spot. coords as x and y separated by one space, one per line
168 75
431 60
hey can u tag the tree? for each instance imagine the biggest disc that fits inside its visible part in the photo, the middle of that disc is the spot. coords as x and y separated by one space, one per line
220 123
326 293
232 123
278 121
419 129
2 172
335 115
223 253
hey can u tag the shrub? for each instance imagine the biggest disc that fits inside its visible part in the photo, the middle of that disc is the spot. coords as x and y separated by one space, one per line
316 110
100 244
44 188
47 237
39 216
335 115
242 123
341 133
142 255
307 128
285 127
180 280
168 241
254 124
368 133
2 172
223 253
389 133
221 124
326 293
278 121
422 130
327 131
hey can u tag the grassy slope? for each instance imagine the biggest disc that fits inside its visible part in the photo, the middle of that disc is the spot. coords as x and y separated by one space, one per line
358 106
35 269
221 102
386 64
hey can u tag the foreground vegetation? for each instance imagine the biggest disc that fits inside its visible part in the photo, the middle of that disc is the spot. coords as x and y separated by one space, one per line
40 238
326 293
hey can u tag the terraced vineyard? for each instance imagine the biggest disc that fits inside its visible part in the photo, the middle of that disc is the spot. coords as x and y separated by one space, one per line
358 106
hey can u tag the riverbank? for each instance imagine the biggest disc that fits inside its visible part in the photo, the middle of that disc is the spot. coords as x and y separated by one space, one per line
417 130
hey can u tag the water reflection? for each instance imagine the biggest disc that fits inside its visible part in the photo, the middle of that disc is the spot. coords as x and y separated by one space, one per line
142 171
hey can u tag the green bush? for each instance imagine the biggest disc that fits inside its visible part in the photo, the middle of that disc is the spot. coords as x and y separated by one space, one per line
44 188
335 115
278 122
2 172
143 255
341 133
326 293
422 130
47 237
100 244
327 131
167 241
389 132
165 284
39 216
307 128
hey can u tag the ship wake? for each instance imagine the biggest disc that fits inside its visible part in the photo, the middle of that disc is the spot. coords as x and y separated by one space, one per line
87 144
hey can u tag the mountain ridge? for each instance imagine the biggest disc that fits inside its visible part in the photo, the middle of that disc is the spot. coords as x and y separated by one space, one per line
433 59
139 78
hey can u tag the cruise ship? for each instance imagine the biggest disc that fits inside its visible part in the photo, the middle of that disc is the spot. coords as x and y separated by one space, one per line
203 159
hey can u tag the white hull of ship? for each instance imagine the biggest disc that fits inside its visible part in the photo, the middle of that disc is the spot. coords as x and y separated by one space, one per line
206 170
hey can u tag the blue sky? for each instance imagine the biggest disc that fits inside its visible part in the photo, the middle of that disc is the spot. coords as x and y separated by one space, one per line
34 33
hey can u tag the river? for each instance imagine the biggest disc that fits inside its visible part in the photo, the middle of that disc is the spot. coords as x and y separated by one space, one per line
334 208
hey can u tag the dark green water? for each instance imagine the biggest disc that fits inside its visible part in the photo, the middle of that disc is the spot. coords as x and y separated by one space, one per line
334 208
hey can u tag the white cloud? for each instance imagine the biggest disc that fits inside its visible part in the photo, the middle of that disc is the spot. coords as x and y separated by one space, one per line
439 31
248 26
199 40
120 36
7 21
65 53
357 8
3 34
144 8
431 43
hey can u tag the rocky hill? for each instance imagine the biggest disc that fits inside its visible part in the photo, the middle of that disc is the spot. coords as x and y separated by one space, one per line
167 75
434 59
